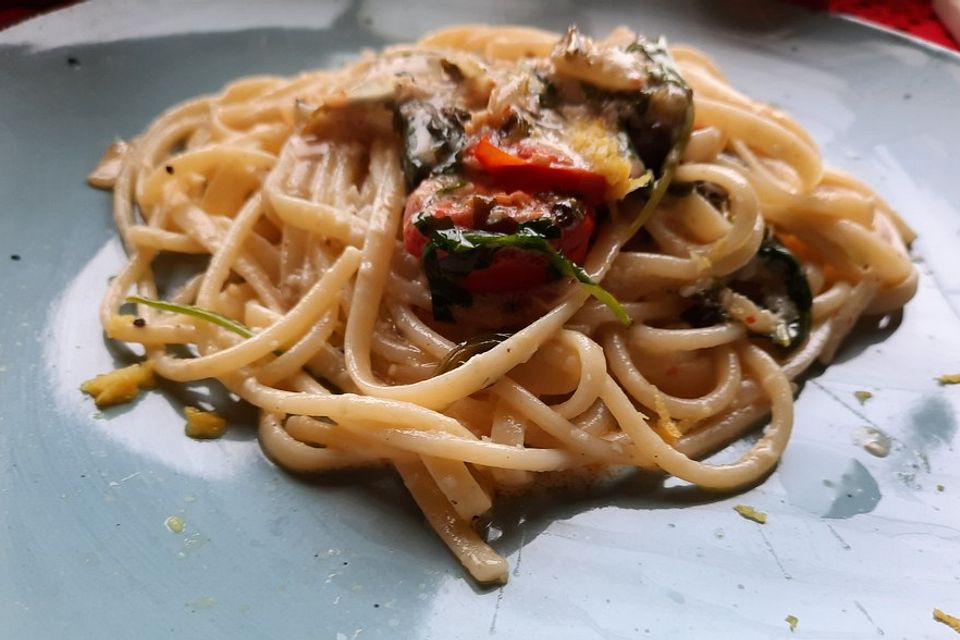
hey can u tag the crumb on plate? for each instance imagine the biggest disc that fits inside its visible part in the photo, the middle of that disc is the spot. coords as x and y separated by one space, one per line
175 524
792 620
951 621
750 513
120 385
204 425
949 378
862 396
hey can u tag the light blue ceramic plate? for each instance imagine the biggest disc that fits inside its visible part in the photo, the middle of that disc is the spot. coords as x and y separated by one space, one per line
856 546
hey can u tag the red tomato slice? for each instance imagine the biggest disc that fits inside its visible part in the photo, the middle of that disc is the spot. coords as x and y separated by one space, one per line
514 172
512 269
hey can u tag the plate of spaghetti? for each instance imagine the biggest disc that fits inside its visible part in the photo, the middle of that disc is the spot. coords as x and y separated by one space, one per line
406 325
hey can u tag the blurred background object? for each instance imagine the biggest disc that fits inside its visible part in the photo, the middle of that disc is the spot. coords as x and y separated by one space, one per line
16 11
936 21
949 13
916 17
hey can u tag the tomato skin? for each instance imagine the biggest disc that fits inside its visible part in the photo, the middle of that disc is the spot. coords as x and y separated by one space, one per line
512 270
459 210
533 171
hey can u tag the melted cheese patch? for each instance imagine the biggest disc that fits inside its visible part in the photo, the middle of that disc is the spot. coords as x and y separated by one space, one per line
601 150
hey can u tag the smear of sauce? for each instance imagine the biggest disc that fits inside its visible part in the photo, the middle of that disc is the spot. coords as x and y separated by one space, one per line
175 524
827 484
875 442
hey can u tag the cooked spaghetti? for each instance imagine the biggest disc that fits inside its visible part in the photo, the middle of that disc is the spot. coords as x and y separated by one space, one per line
499 253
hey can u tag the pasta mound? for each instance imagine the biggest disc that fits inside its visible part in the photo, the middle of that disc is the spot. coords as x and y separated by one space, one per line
494 254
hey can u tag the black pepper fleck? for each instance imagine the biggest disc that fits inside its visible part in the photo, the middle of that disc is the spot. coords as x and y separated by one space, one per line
169 169
73 62
15 257
345 563
376 606
139 322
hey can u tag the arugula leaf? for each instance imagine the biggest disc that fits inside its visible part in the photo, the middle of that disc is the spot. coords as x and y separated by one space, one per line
660 55
478 247
229 324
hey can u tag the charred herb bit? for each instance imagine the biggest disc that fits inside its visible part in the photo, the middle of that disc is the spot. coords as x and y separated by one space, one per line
453 71
200 313
548 97
433 139
516 127
139 323
469 348
566 211
467 250
718 198
706 310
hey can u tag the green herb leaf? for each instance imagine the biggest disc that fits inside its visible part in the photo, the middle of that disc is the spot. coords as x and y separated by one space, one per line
672 161
478 247
229 324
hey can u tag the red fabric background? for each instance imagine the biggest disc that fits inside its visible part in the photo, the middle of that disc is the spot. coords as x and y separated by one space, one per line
915 17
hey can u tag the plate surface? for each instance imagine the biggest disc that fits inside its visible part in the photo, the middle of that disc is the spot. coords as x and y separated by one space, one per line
856 546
